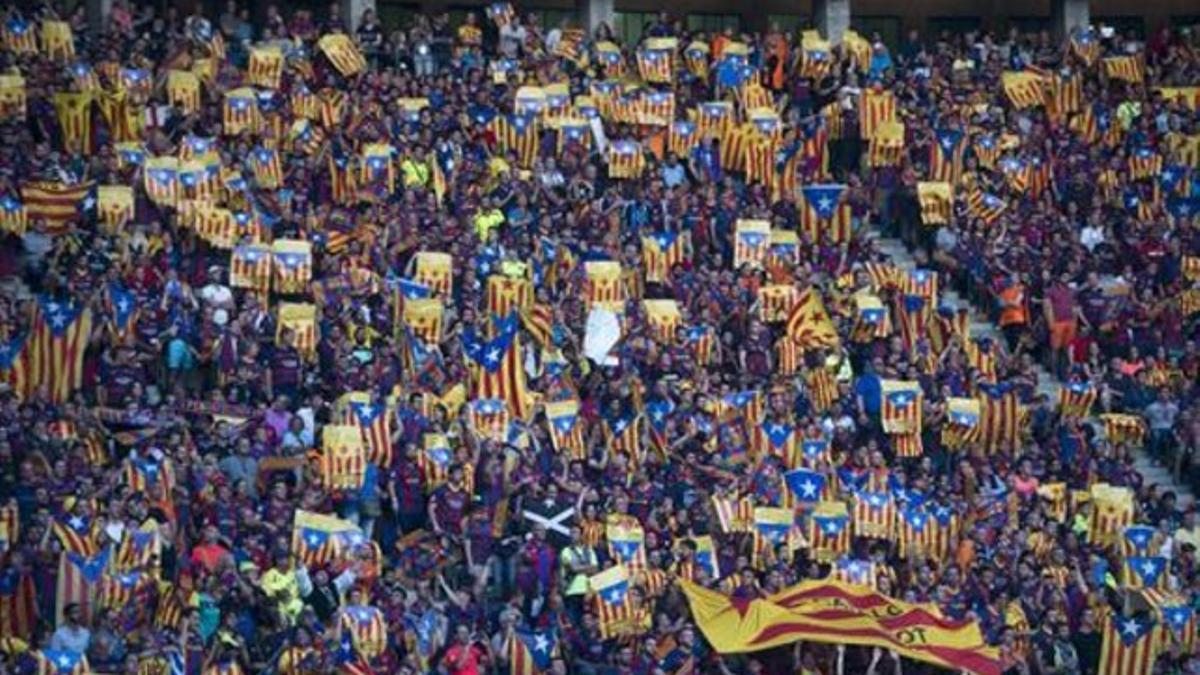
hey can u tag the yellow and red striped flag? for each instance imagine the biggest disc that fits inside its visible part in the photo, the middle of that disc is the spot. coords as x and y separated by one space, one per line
183 91
20 36
751 243
425 318
343 457
824 213
496 366
240 112
56 204
937 202
887 145
508 294
829 529
1024 89
626 159
343 54
367 627
297 326
662 317
115 206
16 370
78 582
900 412
266 66
59 340
1129 645
614 606
435 270
1131 69
519 134
809 325
292 265
13 218
1112 511
250 267
877 107
656 60
13 98
58 41
74 111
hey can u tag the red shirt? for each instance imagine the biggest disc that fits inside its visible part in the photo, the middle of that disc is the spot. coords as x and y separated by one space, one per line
458 663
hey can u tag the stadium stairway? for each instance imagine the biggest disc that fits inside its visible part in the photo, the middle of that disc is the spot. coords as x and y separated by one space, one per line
1048 383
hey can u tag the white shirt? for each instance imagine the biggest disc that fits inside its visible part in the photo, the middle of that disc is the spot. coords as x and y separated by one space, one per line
217 295
1091 237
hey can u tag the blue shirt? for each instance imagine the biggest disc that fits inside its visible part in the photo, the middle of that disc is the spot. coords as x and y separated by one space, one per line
868 387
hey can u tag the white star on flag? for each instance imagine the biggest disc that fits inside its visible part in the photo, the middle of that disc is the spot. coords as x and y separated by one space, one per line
808 488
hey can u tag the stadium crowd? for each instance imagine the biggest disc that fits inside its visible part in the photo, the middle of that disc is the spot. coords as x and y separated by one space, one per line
358 349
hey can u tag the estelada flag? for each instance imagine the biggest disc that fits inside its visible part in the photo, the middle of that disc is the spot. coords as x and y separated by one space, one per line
20 36
1075 399
74 111
250 267
695 57
775 302
300 319
712 118
435 270
751 242
343 459
1130 645
160 179
626 159
78 581
566 427
663 317
12 98
825 213
901 406
809 325
424 317
266 66
871 320
292 263
1024 89
739 626
15 367
829 530
319 539
183 91
877 107
435 460
12 215
887 145
962 427
240 111
343 54
656 60
609 55
114 205
58 41
60 339
614 607
937 202
1112 511
626 542
604 284
508 294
